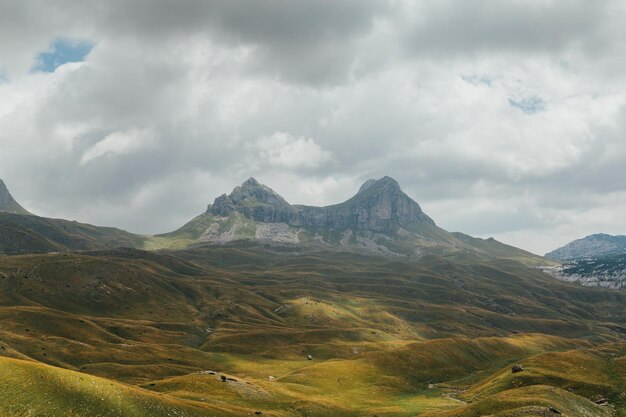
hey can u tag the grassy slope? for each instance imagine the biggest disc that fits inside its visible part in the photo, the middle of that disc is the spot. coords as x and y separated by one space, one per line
568 381
494 249
37 390
532 401
33 234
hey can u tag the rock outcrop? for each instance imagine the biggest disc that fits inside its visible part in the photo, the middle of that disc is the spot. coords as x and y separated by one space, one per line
255 201
8 203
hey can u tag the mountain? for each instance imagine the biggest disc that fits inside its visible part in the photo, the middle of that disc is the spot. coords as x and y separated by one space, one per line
8 203
380 206
590 247
380 218
21 233
33 234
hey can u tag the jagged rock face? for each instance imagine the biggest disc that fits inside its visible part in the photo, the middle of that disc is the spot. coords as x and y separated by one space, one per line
379 206
255 201
7 203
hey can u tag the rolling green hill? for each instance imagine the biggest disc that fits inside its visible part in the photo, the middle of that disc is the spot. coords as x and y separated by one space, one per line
386 337
37 390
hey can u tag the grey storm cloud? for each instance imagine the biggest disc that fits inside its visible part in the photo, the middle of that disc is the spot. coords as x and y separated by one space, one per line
473 26
500 117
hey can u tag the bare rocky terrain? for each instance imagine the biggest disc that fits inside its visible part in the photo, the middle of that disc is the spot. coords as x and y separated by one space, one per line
604 271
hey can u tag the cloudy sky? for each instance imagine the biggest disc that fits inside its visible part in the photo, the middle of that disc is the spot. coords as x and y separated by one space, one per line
503 118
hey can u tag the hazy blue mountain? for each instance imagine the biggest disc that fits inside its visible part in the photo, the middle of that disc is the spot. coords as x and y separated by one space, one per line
590 247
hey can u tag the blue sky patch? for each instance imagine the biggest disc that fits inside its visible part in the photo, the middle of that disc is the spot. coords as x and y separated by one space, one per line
478 79
529 105
61 52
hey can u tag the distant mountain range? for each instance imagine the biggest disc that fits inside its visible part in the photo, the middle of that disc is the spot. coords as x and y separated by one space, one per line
590 247
598 261
380 219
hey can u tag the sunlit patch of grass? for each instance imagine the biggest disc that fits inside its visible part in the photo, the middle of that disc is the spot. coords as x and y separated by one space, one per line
537 400
30 389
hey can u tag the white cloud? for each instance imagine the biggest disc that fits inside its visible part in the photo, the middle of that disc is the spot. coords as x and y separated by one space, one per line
314 97
282 150
119 143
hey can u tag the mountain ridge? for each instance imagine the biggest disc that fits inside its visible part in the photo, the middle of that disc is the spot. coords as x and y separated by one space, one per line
379 219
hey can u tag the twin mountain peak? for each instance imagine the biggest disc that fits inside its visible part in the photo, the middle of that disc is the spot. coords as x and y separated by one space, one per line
380 218
379 206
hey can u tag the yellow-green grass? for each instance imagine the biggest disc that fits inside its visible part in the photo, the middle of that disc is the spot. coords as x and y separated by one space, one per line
347 388
583 371
362 386
533 401
619 371
36 390
158 243
387 337
463 360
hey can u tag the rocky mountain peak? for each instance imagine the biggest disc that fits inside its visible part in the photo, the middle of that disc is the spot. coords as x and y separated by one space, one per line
388 182
383 184
250 182
252 199
383 206
8 203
